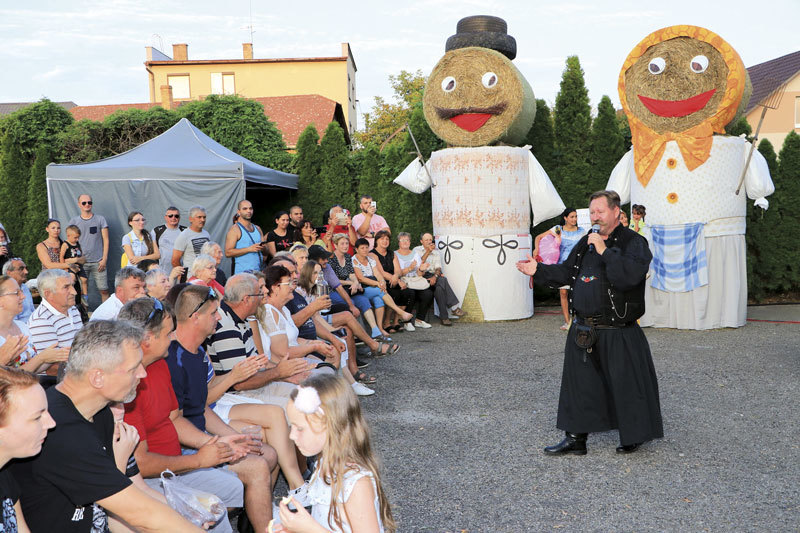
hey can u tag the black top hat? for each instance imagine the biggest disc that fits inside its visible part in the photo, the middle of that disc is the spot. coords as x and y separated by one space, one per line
484 31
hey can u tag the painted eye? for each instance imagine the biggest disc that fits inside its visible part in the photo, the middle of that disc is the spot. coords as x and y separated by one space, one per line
657 65
699 64
489 80
448 84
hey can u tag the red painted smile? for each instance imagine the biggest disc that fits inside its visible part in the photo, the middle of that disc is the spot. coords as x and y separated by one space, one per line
471 121
677 108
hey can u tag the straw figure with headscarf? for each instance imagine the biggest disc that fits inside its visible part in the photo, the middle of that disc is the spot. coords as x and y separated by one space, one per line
679 88
484 185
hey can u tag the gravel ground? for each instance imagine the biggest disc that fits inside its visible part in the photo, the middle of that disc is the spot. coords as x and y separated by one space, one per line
462 413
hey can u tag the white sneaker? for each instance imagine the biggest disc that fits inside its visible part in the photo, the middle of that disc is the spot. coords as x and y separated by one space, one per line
362 390
421 324
301 495
408 326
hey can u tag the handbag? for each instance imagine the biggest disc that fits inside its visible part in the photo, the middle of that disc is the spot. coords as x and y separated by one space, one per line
585 336
416 282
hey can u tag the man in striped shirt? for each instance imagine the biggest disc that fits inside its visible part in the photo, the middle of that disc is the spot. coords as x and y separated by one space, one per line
56 321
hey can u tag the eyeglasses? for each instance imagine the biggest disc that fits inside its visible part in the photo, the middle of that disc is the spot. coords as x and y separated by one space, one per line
260 295
86 203
157 308
15 293
139 220
173 215
293 283
210 296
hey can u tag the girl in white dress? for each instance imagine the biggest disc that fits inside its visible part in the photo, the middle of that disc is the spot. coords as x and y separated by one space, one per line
345 489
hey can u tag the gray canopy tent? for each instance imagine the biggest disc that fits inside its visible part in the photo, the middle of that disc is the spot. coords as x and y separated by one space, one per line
182 167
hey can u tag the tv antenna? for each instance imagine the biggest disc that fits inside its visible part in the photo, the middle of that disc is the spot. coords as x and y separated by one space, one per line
249 27
157 40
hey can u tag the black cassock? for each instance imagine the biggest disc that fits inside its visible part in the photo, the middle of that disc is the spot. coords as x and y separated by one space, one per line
614 386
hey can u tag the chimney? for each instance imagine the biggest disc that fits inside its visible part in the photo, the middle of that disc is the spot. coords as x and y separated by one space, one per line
166 97
247 50
180 52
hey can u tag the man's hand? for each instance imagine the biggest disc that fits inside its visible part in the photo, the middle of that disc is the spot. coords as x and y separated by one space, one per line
54 354
339 345
214 453
240 445
528 266
321 302
599 243
101 266
255 247
247 368
125 440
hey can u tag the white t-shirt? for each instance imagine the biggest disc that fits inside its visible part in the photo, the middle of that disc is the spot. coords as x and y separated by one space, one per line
108 310
368 269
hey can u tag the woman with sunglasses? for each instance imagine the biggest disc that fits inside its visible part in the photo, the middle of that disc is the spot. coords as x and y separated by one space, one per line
138 244
15 346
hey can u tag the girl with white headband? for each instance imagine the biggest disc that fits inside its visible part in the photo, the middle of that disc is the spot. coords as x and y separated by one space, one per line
345 489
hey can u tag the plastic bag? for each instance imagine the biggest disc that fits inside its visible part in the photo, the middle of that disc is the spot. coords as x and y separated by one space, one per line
550 249
196 506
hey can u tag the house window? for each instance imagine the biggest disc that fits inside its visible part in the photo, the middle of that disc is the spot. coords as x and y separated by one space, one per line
797 111
222 83
180 86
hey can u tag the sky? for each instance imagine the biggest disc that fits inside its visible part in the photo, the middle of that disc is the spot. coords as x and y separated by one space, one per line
93 52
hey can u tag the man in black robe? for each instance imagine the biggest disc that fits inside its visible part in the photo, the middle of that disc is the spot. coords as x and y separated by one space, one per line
608 381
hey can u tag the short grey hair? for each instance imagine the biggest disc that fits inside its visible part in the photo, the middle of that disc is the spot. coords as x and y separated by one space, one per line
138 312
99 345
48 278
151 278
239 286
196 209
126 273
9 265
403 234
200 262
208 247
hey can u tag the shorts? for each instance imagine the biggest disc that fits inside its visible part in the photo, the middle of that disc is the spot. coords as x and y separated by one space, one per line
100 278
222 407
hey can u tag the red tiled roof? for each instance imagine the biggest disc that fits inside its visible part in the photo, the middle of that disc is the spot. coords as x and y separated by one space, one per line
291 114
768 76
99 112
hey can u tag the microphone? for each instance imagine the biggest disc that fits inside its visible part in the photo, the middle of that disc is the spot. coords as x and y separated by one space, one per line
595 229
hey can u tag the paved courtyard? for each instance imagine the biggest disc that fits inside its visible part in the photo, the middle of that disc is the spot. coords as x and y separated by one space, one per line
462 413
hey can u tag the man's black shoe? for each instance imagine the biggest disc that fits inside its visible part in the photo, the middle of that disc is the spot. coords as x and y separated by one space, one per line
573 443
361 363
628 448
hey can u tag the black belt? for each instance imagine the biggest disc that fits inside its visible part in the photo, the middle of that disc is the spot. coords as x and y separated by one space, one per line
599 322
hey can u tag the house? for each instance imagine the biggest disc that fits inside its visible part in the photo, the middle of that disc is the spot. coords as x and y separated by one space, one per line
766 78
191 79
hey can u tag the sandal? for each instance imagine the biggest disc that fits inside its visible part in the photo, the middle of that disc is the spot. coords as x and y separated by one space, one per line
362 377
393 329
391 349
382 338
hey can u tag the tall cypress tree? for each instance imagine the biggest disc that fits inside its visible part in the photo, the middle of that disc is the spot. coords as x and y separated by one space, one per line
789 208
37 214
307 166
335 184
541 138
571 125
607 144
14 173
767 267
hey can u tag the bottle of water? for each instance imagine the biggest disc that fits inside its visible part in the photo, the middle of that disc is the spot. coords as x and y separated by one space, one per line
321 288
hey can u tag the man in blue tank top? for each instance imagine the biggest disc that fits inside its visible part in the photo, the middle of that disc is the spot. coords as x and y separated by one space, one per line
243 241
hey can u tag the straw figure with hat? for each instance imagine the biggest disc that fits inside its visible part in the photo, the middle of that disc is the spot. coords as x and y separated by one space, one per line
484 185
679 88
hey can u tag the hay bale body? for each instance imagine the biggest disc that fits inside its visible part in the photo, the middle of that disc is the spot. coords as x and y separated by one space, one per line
510 102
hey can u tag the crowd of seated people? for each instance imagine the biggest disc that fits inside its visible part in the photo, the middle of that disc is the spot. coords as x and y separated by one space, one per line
184 368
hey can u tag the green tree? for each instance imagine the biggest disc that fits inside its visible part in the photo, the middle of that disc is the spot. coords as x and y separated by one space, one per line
335 185
37 210
788 193
571 126
240 125
541 137
738 127
625 129
767 150
766 261
368 167
39 122
14 173
386 117
307 166
607 145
